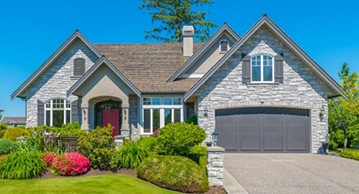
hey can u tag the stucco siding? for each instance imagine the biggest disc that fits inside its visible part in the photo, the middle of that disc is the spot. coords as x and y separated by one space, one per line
57 79
301 88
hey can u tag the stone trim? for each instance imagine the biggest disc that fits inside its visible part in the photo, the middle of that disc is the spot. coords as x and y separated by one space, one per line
215 167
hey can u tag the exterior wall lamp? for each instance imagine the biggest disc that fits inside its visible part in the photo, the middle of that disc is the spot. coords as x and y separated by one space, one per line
321 113
214 138
205 112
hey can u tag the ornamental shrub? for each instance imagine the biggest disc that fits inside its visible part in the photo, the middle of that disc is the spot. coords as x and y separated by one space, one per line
3 128
22 165
98 146
6 146
129 155
179 138
147 142
2 158
193 119
198 154
70 164
13 133
174 172
351 154
49 157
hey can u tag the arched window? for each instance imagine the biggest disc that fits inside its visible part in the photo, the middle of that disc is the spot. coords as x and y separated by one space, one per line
223 46
262 68
57 112
79 67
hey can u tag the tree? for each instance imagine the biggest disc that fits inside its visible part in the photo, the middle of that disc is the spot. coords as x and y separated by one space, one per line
172 15
344 113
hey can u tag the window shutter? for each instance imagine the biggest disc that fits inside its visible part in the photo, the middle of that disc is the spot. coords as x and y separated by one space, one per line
246 69
40 113
79 67
278 68
74 111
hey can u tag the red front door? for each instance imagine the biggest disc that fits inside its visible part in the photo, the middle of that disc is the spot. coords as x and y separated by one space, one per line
112 116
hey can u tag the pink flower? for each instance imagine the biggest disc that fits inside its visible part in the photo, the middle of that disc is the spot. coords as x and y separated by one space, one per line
71 164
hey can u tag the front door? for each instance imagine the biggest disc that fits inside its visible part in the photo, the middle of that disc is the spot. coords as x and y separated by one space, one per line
111 116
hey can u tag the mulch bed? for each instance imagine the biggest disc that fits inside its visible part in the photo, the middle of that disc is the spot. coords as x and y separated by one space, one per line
91 172
216 190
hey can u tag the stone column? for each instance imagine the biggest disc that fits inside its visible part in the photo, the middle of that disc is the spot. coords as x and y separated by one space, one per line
125 128
215 168
85 117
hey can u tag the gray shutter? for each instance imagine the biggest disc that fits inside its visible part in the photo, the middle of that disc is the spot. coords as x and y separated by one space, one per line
246 69
79 67
74 111
278 69
40 113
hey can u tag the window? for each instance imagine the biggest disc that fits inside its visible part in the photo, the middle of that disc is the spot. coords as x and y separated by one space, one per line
262 68
57 112
223 46
79 67
159 111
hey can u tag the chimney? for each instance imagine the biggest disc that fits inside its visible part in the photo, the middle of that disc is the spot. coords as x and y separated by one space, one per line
187 34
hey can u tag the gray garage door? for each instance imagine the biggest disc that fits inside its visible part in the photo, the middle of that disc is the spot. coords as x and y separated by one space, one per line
263 130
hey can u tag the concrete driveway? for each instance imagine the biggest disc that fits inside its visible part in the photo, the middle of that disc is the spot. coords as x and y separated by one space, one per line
293 173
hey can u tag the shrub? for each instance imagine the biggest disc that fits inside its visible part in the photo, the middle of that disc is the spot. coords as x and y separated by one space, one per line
3 128
13 133
178 138
198 154
6 146
174 172
49 157
2 158
71 130
351 154
148 142
70 164
98 146
129 155
192 120
22 165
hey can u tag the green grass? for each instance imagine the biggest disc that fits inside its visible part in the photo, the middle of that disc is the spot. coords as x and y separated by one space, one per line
85 184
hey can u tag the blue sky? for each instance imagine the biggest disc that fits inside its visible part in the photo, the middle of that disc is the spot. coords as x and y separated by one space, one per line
30 31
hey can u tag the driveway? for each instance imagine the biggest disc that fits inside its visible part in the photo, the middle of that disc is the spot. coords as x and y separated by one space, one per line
293 173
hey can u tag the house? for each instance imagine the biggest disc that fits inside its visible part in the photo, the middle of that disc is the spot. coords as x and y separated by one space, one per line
12 122
260 92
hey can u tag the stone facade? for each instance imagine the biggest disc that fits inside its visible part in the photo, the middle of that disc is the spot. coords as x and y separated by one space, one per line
135 132
57 80
215 157
301 87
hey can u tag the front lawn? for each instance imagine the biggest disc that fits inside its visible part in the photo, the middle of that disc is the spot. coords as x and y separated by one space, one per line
85 184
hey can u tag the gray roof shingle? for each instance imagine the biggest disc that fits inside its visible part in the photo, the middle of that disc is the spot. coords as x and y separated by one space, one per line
149 66
16 120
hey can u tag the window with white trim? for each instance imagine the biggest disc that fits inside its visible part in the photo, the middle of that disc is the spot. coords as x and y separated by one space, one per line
223 46
262 69
57 112
159 111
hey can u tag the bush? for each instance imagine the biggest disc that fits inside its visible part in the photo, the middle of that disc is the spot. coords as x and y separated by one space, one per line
13 133
351 154
198 154
71 130
6 146
192 120
178 138
22 165
2 158
49 157
70 164
129 155
148 142
3 128
174 172
98 146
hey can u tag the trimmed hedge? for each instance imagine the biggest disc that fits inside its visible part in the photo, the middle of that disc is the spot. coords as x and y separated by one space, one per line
351 154
6 146
174 172
13 133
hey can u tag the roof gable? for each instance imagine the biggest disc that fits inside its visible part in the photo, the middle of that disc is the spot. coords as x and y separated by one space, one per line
265 20
224 28
103 61
76 35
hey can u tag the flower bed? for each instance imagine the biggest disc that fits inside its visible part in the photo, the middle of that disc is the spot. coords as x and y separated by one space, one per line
70 164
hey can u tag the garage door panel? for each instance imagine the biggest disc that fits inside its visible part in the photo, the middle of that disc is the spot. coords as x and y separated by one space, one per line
250 134
296 133
227 137
273 132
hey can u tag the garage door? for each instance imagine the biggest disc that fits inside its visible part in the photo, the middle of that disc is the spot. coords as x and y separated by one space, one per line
263 130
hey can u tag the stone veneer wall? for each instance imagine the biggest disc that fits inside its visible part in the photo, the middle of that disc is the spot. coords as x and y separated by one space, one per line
57 80
301 87
135 132
215 157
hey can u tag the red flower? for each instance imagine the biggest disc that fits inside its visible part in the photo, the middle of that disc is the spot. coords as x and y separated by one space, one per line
70 164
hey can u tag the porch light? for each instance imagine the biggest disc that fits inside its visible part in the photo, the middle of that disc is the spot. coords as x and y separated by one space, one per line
321 113
214 138
205 112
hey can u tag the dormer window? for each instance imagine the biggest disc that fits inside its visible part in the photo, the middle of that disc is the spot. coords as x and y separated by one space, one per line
223 46
79 67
